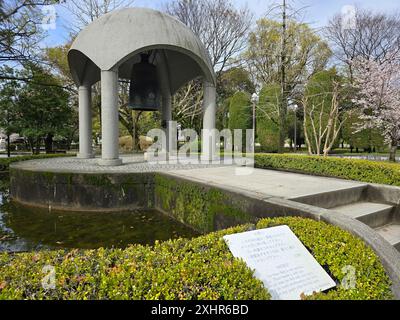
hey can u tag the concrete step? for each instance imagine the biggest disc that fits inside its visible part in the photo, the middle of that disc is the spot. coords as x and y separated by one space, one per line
372 214
334 198
391 233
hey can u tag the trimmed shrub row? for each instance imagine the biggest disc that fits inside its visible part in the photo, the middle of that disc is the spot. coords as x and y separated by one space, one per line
201 268
352 169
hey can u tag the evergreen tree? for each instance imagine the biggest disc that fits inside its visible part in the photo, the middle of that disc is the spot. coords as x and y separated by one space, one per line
44 110
267 118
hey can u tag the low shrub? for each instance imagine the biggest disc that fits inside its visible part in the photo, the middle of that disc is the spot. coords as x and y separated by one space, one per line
352 169
200 268
125 143
5 162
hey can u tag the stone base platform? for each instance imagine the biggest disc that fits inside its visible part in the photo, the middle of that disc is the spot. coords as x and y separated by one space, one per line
71 183
130 164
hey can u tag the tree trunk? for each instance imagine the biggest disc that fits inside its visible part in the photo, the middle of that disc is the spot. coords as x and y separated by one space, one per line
48 142
68 144
31 144
37 148
393 149
134 141
8 146
282 130
135 132
306 138
284 95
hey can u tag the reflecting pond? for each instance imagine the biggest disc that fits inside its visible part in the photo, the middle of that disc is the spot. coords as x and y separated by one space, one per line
27 229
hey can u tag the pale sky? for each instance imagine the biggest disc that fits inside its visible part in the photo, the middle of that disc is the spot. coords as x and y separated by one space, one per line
316 12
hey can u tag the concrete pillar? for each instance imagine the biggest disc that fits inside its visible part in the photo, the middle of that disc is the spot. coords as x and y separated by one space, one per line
109 119
208 133
85 122
166 112
167 117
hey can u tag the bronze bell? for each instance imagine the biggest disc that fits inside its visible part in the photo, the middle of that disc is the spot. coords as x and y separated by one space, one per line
144 93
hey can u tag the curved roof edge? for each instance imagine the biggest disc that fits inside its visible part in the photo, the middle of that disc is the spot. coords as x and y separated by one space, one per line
117 36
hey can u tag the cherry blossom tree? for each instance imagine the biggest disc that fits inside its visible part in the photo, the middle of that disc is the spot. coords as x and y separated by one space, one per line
378 97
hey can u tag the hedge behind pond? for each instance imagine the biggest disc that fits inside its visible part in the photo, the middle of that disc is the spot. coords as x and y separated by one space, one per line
201 268
352 169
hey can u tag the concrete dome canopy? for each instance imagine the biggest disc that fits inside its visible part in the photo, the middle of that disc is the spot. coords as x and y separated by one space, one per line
115 40
111 48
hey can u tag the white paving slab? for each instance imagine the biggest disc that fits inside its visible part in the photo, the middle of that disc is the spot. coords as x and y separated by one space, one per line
268 182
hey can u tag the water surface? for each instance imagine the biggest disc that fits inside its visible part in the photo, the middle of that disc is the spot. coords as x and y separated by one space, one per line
27 229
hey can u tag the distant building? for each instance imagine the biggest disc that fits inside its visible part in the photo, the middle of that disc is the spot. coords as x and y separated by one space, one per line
3 141
14 138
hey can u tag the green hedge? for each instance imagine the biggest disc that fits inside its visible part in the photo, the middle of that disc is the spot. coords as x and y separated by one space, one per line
201 268
352 169
5 162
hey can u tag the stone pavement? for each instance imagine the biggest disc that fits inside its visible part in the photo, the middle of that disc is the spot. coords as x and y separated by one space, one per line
267 183
131 164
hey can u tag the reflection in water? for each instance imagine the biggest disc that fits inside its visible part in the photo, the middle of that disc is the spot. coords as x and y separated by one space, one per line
27 229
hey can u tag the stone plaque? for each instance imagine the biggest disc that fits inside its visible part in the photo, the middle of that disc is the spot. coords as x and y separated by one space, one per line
280 261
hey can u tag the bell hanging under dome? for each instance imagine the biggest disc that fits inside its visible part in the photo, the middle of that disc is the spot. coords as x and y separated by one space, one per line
144 89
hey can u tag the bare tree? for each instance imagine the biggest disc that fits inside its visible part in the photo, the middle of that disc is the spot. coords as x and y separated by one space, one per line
128 117
83 12
188 104
223 29
20 31
323 119
220 26
366 35
288 63
285 51
283 81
